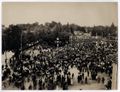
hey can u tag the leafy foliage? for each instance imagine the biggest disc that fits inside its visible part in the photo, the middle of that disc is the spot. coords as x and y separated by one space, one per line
23 34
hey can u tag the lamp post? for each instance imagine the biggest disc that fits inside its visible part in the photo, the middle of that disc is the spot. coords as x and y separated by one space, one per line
21 46
5 50
57 41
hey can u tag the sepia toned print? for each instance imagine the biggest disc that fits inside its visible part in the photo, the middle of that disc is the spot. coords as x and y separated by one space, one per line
59 46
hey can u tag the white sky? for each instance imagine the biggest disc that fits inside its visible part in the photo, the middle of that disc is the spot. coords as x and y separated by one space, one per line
85 14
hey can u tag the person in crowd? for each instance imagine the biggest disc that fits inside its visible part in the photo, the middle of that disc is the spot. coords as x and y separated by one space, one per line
85 57
103 80
86 80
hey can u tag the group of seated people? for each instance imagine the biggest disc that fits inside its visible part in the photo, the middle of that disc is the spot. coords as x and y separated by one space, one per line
51 69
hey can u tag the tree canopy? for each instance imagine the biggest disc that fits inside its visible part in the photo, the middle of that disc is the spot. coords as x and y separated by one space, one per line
15 36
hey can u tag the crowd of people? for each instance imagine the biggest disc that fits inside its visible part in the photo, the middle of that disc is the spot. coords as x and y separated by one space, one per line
50 69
